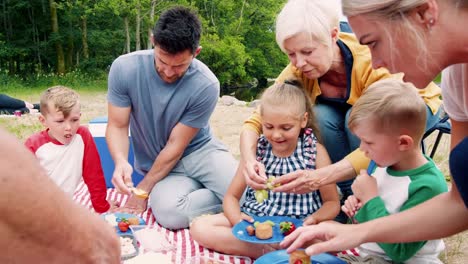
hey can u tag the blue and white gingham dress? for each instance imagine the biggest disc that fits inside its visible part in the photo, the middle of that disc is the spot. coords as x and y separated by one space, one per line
286 204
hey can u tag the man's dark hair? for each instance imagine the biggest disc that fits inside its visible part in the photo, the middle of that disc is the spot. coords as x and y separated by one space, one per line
177 30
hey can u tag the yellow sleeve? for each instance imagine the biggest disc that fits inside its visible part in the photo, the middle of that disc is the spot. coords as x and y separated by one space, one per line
253 123
358 160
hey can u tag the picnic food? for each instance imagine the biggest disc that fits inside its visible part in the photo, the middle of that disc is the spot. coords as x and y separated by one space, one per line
264 231
250 230
299 257
126 246
287 227
133 221
261 195
123 225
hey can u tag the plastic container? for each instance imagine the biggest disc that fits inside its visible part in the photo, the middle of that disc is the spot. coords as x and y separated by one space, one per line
211 260
129 255
152 239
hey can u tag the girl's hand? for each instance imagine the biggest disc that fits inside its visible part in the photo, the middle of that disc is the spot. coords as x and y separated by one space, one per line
254 174
310 220
365 187
246 217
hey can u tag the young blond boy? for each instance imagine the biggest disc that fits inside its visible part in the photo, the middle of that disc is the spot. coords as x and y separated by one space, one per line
66 149
390 119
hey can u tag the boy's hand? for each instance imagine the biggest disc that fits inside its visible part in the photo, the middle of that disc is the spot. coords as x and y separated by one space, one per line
365 187
351 206
122 177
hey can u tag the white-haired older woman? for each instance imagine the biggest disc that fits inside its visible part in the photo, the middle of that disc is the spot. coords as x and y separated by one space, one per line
420 38
335 70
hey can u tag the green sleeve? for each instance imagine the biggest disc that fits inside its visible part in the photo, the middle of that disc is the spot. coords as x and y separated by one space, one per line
398 252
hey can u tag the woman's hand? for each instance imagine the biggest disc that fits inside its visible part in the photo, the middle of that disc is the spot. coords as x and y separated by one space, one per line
254 174
298 182
325 237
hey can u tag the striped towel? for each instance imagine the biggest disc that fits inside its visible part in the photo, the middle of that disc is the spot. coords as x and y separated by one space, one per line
187 250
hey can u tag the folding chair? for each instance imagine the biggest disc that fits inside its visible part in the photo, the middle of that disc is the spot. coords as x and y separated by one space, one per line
443 126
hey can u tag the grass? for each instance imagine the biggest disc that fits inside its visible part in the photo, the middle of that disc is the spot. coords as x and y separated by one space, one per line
93 98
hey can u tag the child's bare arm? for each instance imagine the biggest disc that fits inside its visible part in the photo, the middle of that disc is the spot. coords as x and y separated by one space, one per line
329 194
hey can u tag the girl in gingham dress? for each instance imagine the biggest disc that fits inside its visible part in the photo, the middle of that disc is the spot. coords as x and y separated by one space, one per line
289 143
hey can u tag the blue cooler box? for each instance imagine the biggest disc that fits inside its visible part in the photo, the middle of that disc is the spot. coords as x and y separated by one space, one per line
97 127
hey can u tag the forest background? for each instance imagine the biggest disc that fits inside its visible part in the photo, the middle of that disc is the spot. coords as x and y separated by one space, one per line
74 42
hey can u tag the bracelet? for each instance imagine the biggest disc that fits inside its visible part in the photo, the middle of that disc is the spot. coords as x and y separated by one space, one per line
140 193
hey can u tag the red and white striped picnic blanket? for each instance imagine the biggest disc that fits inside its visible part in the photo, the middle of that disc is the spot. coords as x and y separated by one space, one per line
186 247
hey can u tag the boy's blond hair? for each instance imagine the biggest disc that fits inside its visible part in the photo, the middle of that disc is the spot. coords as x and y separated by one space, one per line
61 98
391 105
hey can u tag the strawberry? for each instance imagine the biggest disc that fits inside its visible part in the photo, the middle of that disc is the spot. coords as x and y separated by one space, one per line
287 227
298 261
123 225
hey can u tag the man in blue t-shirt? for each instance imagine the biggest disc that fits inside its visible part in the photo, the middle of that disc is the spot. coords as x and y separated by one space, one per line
166 96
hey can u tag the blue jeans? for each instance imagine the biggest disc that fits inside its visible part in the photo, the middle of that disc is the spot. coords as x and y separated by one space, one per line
339 141
197 182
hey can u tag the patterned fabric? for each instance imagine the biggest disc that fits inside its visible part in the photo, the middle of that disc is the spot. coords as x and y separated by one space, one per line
187 250
286 204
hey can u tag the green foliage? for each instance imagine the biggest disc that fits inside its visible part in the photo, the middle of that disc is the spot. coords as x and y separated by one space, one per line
238 38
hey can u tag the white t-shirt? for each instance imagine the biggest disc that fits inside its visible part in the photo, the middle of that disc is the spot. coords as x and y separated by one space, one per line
455 91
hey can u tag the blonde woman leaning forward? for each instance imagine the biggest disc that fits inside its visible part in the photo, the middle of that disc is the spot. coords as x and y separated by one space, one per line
419 38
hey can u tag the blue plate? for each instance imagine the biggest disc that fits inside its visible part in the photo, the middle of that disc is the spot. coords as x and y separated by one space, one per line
240 231
281 257
124 215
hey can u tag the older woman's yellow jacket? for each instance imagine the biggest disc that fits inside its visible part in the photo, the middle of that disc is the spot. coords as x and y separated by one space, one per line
362 75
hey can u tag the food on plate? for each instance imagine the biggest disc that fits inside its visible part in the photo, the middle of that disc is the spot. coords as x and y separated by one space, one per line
299 257
126 246
250 230
287 227
266 222
263 231
111 219
133 221
123 225
262 195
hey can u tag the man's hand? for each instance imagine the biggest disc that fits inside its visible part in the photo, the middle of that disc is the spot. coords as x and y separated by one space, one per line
122 177
365 187
134 205
254 174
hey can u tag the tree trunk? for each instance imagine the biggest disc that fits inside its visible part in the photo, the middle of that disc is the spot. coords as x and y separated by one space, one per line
127 34
84 36
58 44
138 22
150 31
70 47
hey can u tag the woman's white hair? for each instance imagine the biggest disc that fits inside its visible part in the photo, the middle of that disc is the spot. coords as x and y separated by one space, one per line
315 17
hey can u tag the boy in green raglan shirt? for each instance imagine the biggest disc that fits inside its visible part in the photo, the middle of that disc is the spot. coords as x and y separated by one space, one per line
390 119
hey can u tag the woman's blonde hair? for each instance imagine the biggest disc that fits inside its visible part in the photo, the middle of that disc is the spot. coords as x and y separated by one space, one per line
394 12
289 96
391 105
315 17
61 98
